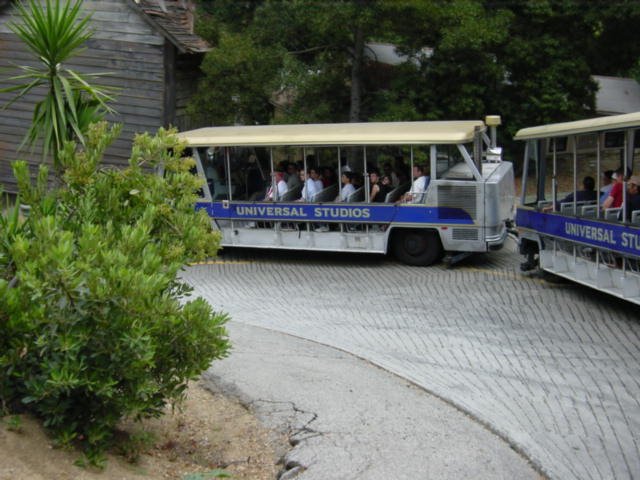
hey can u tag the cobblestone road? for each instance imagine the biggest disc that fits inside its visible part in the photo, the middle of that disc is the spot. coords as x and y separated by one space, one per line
554 368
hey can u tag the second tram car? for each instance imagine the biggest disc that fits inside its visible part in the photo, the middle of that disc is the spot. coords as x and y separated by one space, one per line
571 221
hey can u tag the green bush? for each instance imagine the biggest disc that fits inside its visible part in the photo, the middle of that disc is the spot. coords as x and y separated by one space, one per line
94 323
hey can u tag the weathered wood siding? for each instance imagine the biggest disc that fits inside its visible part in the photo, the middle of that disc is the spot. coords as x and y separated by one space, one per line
188 74
125 45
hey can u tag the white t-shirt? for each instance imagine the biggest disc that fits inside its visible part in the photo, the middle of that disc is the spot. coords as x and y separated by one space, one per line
310 189
282 189
418 188
347 190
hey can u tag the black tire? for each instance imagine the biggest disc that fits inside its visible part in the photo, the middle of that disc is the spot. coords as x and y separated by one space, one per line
417 247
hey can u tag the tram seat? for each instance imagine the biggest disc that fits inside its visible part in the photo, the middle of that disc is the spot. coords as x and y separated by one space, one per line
292 194
394 194
612 213
589 211
221 190
327 194
259 195
357 196
635 217
567 208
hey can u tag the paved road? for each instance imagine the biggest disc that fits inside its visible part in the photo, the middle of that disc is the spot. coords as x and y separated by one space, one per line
554 368
349 420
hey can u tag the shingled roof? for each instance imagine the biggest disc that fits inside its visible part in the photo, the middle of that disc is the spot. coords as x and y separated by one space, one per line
174 19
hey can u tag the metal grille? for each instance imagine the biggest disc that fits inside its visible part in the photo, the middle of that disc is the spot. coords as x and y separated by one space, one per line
458 197
464 233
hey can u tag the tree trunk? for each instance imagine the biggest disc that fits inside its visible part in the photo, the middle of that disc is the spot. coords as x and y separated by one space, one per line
356 74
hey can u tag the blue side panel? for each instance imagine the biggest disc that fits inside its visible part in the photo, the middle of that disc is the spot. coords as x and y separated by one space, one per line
336 213
616 237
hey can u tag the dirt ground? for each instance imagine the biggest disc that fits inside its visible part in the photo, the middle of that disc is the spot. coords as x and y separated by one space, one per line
211 432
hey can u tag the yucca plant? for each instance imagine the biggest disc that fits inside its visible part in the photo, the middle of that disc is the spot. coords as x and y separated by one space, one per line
54 31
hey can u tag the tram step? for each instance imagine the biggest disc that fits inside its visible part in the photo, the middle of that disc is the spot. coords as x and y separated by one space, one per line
624 284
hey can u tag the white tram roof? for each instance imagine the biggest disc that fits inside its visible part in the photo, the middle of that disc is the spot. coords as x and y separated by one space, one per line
334 134
614 122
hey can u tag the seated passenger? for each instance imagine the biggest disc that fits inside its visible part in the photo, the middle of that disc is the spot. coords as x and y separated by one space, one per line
607 185
587 194
328 177
633 195
281 187
419 187
255 177
386 184
293 176
379 187
388 170
347 188
614 200
312 184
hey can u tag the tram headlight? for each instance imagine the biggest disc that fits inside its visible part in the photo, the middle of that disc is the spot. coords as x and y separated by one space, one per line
493 120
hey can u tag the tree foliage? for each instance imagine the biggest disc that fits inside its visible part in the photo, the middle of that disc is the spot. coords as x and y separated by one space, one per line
531 62
306 49
612 46
94 323
462 77
549 77
237 86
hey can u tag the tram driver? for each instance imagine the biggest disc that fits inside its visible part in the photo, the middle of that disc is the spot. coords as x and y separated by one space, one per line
419 187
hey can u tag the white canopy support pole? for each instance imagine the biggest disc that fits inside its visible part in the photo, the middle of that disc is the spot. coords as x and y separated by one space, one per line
227 152
554 179
433 161
628 145
274 187
599 144
365 169
469 161
525 171
411 161
574 153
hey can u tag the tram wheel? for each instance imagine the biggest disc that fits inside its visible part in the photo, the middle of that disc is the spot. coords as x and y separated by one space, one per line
417 247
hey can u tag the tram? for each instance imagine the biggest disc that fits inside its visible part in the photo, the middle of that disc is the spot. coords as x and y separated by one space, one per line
318 187
579 212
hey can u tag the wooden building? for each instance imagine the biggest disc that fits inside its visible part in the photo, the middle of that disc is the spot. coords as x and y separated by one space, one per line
151 53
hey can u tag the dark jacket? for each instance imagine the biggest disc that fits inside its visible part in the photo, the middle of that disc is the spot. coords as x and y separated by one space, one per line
633 203
581 196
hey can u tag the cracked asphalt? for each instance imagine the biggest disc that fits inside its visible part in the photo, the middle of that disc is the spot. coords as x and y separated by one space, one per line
481 368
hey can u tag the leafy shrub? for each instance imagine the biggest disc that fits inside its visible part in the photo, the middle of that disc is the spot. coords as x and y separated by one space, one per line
94 323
